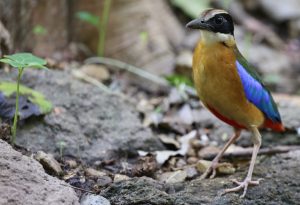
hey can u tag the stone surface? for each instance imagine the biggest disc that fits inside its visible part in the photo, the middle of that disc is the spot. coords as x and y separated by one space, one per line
90 199
23 181
281 185
90 124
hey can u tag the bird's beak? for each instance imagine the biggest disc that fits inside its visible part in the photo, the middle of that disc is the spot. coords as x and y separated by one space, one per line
198 24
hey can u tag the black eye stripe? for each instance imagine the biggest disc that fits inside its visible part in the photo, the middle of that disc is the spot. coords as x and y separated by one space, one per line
225 27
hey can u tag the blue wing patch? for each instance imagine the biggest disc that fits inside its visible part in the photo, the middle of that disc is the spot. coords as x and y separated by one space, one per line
257 94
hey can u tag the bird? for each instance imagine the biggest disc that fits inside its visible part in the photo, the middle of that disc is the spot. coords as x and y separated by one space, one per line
230 88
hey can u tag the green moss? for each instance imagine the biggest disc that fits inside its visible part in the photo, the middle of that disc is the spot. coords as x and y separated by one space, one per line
9 88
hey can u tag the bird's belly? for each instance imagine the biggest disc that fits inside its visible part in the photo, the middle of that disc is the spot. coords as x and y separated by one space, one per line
220 90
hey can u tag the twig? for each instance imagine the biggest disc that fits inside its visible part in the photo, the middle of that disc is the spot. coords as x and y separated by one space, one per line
137 71
74 187
130 68
247 152
82 76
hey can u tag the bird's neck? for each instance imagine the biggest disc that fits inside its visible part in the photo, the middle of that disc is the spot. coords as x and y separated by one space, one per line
210 38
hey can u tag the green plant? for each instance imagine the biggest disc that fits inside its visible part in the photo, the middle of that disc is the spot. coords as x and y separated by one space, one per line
61 144
181 82
178 80
21 61
99 23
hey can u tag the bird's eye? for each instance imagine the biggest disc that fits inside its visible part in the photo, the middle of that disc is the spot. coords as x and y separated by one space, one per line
219 20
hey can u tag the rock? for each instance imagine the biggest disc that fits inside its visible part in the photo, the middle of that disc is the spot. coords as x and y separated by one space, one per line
91 199
71 163
120 177
104 181
281 10
226 168
192 160
185 115
94 173
24 181
50 164
202 165
173 177
92 124
175 97
223 168
98 72
142 190
277 188
191 172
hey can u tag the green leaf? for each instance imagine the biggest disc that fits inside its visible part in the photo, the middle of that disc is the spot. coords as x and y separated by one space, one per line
24 60
192 8
12 63
9 88
178 80
88 17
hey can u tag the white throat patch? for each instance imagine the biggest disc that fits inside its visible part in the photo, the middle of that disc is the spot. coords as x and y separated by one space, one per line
210 37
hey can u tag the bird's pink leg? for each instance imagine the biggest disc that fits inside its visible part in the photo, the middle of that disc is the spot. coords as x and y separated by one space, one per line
214 165
256 138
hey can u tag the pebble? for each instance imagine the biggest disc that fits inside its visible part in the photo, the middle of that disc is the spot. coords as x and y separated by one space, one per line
96 71
191 172
104 181
192 160
223 168
120 177
71 163
90 172
91 199
173 177
50 164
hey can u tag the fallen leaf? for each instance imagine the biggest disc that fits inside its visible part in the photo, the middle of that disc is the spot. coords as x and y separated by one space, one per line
173 177
167 140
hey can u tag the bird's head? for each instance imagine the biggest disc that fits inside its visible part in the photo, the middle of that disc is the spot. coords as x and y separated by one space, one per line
215 25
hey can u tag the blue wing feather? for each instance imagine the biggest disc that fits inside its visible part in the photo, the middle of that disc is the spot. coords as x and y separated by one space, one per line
257 94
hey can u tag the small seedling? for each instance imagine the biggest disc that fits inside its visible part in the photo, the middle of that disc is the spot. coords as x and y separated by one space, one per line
21 61
99 23
61 144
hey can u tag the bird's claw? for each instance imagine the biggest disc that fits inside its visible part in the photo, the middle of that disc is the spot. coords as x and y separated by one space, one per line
211 169
242 185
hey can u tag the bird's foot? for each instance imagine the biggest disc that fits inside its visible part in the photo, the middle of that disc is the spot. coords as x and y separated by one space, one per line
242 185
212 169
